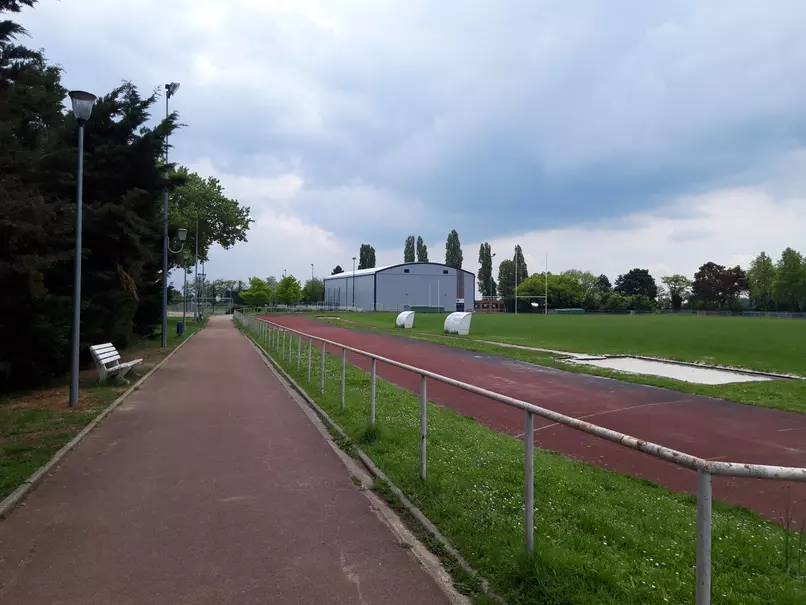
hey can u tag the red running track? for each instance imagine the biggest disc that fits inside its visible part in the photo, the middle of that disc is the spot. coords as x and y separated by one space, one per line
709 428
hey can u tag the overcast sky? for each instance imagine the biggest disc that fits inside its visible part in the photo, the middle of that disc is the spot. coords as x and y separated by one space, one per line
607 134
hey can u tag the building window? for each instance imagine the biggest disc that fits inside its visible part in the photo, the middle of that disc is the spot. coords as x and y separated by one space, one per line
444 272
405 270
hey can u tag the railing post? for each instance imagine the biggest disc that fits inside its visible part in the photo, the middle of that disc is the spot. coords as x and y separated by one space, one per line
423 425
282 351
704 495
372 392
310 347
288 350
322 387
529 481
343 374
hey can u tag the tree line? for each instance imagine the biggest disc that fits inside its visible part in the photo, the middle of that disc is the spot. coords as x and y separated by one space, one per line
766 285
288 290
125 176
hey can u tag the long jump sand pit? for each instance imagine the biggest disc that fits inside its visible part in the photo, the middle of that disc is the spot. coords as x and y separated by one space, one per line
664 369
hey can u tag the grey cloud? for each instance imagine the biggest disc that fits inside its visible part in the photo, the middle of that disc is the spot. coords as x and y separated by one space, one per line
487 117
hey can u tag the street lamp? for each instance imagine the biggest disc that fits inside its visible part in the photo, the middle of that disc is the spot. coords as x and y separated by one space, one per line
311 271
354 282
170 90
82 108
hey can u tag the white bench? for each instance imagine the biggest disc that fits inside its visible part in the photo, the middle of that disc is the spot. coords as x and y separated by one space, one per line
107 359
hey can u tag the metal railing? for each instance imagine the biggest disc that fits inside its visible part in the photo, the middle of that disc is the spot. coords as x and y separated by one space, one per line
275 336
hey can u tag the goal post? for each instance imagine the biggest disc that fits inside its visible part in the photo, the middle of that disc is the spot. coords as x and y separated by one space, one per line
536 302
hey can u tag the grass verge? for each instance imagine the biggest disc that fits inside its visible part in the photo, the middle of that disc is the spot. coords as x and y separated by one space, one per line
787 395
600 537
34 425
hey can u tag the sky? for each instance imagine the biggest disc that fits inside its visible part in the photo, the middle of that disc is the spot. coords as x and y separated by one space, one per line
604 135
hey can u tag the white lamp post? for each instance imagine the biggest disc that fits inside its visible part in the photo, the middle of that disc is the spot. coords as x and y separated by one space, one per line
82 109
170 90
354 282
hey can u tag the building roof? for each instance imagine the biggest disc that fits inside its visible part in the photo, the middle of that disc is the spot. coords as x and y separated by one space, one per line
358 272
374 270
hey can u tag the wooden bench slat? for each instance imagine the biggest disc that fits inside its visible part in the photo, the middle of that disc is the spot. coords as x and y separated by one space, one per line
106 358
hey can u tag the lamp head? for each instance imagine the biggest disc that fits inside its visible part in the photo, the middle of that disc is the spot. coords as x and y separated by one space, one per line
182 234
82 104
170 89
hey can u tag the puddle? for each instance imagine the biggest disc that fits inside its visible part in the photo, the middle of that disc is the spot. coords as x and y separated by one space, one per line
669 370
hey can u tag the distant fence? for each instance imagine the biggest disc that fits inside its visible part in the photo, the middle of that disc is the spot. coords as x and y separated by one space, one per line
281 340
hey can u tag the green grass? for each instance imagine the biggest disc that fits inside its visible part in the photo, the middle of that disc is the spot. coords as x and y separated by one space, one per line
601 537
673 337
34 425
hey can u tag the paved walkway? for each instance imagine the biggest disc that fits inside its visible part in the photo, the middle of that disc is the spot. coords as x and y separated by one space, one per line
208 485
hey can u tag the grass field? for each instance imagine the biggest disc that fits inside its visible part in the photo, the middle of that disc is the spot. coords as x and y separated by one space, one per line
774 345
601 537
34 425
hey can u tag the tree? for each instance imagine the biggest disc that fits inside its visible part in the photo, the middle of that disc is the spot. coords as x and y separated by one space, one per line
122 227
761 281
603 284
637 282
408 250
664 298
706 287
36 231
314 291
422 251
289 291
485 274
366 257
453 251
790 281
679 287
715 285
591 297
521 271
258 294
336 270
732 283
506 278
617 302
221 220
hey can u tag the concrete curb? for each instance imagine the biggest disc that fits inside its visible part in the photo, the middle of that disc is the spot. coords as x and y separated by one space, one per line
415 512
18 495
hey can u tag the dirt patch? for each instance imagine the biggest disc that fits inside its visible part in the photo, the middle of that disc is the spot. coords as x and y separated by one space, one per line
51 399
